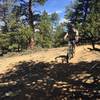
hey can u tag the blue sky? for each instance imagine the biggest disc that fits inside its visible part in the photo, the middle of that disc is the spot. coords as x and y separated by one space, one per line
57 6
51 6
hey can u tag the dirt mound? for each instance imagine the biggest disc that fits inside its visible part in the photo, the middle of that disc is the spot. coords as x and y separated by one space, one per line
81 54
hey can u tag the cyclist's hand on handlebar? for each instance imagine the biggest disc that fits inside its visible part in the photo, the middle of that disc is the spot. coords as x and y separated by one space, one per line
77 38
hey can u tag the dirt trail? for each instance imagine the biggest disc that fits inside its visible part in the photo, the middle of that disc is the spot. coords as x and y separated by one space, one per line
81 54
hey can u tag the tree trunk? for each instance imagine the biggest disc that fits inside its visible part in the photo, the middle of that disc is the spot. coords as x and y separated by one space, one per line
31 41
92 40
93 43
31 15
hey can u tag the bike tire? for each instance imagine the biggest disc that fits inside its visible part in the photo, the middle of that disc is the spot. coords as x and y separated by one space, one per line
67 58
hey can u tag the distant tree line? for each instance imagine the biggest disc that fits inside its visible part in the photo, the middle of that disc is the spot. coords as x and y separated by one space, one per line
25 28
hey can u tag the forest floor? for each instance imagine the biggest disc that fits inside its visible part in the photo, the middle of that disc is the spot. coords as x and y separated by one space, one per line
82 53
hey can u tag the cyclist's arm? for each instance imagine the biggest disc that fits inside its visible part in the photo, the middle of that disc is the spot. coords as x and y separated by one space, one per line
77 35
66 35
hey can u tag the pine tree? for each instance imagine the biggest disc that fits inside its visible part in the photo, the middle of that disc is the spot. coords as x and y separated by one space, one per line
85 14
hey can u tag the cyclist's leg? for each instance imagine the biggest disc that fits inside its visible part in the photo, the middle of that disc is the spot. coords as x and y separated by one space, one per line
73 46
69 50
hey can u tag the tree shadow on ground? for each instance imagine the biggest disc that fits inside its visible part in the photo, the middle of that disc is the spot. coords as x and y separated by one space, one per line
95 49
51 81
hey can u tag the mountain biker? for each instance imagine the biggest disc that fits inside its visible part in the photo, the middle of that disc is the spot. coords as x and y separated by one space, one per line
72 35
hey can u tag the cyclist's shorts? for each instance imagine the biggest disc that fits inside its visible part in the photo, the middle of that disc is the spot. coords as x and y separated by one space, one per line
72 42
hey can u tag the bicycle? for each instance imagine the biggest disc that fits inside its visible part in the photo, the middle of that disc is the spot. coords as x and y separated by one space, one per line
70 53
70 50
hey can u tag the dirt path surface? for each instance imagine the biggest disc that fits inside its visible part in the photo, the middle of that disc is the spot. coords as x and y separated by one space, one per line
81 54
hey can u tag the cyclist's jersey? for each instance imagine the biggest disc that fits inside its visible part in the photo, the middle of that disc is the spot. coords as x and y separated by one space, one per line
71 34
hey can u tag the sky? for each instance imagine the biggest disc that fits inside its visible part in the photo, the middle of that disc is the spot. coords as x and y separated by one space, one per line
57 6
52 6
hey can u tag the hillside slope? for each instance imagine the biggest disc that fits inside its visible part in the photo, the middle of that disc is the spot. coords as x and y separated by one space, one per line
81 54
